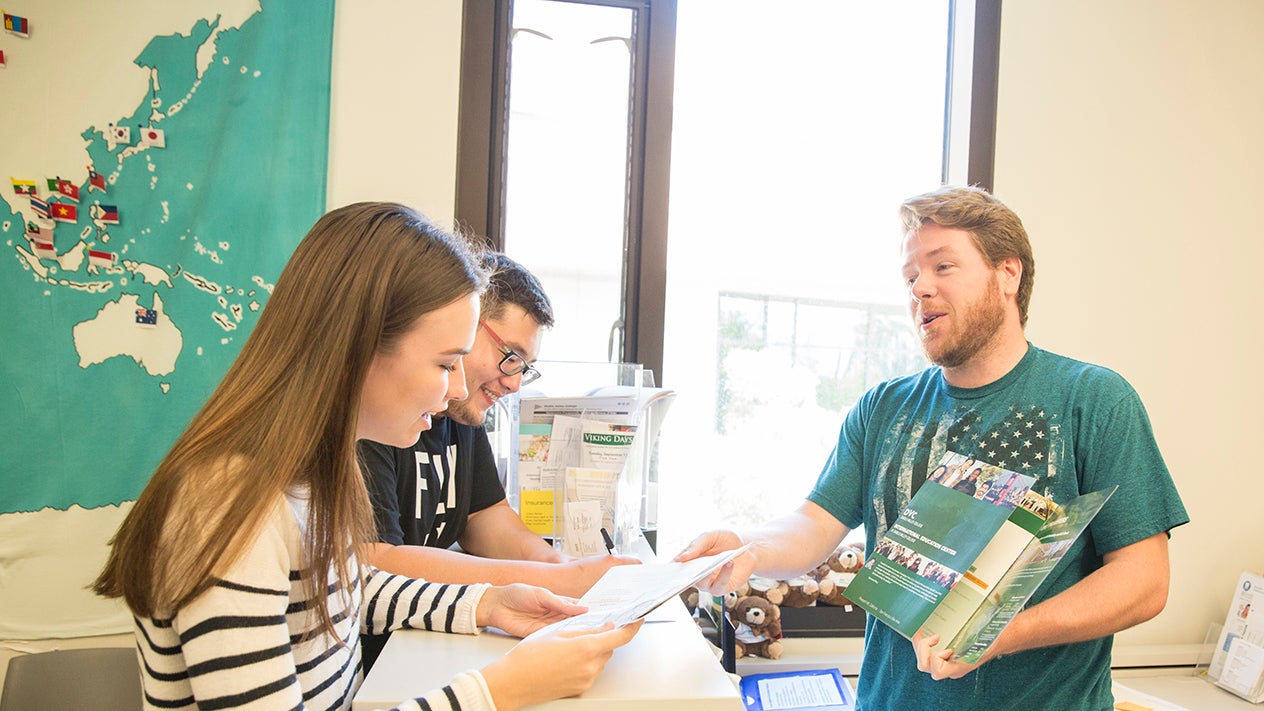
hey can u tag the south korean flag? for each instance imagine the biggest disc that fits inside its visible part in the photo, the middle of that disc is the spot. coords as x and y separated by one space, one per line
115 135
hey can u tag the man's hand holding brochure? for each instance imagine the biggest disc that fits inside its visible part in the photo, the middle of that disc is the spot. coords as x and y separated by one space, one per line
626 593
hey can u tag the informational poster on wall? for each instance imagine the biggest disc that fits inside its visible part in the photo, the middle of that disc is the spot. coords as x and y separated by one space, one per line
160 161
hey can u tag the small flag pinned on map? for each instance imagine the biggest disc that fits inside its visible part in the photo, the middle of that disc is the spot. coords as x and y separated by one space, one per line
69 189
118 134
152 137
62 212
22 187
17 25
2 58
101 260
39 206
146 317
33 231
107 214
44 250
96 181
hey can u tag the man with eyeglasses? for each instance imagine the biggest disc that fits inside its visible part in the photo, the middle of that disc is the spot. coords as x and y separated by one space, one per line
445 489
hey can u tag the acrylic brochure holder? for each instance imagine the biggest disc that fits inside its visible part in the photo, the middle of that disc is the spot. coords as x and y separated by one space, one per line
1234 660
579 470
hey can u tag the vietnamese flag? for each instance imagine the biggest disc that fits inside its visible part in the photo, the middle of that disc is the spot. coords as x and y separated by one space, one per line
62 212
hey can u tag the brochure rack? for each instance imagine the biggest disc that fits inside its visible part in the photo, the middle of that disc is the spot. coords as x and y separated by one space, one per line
579 465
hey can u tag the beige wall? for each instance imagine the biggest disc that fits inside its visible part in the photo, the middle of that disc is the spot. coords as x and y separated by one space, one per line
1129 139
396 85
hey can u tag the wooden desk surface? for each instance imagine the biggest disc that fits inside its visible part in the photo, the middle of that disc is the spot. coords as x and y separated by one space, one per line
668 665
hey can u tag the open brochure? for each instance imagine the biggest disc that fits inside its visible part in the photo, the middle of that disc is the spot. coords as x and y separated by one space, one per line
966 554
1237 664
626 593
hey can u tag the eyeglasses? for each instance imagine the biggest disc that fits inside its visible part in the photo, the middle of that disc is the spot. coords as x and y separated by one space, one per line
512 363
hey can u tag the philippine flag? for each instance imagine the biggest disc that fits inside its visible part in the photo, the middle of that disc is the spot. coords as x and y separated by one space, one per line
152 137
108 214
39 206
64 213
101 260
96 181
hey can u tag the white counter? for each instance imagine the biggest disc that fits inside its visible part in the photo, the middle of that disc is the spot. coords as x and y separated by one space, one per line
668 665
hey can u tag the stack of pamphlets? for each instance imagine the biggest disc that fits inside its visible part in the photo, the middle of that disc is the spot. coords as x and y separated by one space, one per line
1237 664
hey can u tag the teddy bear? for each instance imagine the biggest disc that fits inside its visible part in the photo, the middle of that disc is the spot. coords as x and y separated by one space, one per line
803 591
690 596
757 627
836 573
774 591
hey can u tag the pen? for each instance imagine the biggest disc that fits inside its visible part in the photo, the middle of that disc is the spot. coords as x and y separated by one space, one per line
609 543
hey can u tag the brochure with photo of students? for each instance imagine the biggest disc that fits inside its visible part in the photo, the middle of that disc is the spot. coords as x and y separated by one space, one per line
972 546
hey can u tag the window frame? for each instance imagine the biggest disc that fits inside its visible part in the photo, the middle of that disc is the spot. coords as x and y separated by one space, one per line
481 140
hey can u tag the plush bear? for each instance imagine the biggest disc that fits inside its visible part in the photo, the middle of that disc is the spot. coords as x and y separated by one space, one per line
689 596
757 625
773 591
836 573
803 591
732 596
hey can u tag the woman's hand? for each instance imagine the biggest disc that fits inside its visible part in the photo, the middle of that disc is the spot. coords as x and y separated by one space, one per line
522 609
553 666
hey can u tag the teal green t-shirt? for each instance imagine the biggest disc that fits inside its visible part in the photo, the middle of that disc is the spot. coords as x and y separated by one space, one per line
1073 426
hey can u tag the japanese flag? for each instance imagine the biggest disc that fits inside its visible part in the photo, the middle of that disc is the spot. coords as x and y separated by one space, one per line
153 137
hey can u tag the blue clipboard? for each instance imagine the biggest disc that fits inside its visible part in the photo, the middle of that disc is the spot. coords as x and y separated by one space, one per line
815 689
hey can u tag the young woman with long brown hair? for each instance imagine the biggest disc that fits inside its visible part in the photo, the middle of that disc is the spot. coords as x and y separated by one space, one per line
238 560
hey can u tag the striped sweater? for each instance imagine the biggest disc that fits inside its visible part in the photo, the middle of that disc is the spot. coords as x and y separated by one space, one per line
239 645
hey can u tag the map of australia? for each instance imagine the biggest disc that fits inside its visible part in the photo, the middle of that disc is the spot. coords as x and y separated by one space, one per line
159 166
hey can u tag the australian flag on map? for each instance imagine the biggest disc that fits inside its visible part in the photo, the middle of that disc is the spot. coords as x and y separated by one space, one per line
146 317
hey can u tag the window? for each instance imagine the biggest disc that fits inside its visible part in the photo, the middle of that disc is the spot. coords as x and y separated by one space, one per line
773 299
